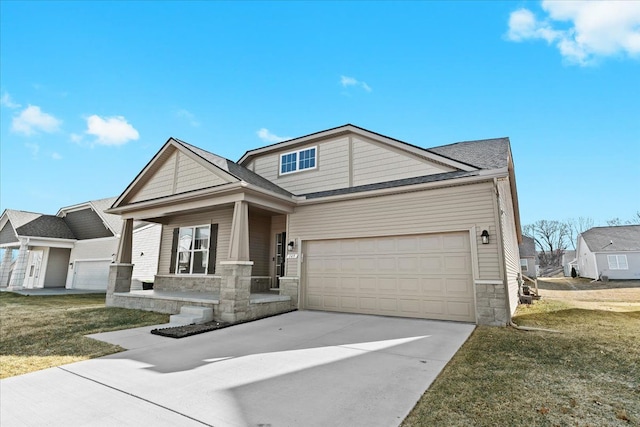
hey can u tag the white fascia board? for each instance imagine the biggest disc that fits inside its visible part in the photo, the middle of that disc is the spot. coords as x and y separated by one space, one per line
51 242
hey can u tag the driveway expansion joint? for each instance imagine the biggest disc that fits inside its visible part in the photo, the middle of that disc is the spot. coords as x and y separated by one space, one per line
135 396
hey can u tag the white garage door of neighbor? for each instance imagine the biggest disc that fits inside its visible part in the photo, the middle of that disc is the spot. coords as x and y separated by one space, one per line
91 274
426 276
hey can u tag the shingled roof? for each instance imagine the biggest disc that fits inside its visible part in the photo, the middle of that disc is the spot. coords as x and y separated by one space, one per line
620 238
483 153
30 224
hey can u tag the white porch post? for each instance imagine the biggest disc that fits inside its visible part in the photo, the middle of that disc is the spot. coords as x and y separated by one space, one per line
20 267
235 287
5 268
121 271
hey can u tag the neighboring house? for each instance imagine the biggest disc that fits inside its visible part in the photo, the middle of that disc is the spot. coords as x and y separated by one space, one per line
568 262
341 220
527 250
611 252
71 249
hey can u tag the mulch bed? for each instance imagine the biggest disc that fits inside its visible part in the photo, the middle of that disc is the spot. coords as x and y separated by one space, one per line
188 330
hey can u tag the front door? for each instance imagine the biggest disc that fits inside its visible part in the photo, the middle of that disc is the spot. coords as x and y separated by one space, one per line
281 256
32 276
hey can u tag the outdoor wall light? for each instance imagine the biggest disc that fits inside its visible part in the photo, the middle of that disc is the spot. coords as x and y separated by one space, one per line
485 237
291 245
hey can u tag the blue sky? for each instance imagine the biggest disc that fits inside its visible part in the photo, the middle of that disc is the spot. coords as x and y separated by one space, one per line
91 90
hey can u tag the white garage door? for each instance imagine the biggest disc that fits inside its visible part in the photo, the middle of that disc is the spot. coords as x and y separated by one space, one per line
426 276
91 274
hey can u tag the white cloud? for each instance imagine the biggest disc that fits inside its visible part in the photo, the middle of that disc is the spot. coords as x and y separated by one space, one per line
584 30
32 119
267 136
188 116
56 156
347 81
7 101
110 130
77 138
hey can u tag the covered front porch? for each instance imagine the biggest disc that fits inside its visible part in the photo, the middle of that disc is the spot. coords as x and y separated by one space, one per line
223 254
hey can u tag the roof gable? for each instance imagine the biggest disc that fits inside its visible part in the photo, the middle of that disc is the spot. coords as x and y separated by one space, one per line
30 224
355 130
177 168
620 238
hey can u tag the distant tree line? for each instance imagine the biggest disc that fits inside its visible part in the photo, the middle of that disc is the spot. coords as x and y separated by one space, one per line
553 237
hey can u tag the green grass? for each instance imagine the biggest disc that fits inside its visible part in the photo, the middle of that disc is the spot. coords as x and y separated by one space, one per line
589 375
38 332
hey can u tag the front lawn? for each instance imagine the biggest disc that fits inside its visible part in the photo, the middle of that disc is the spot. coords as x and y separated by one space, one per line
38 332
589 375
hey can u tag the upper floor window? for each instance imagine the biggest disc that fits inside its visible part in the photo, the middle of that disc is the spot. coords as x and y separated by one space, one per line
524 265
298 160
617 262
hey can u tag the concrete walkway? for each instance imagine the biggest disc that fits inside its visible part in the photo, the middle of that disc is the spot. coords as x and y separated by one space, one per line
298 369
52 291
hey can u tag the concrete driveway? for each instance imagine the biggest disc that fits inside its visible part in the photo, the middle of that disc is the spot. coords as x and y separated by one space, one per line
302 368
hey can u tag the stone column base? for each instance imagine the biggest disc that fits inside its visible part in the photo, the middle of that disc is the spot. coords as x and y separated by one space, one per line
289 286
119 280
235 290
491 303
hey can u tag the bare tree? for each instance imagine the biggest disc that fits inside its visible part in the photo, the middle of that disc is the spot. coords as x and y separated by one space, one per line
551 240
575 227
635 220
614 221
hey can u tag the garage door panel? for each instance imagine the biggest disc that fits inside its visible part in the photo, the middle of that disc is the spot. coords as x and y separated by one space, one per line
91 274
425 276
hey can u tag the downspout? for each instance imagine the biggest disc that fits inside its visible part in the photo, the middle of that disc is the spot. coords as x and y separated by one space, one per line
504 269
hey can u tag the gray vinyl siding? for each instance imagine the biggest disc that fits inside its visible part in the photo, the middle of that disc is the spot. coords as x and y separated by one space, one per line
259 243
222 217
430 211
7 234
166 180
373 163
57 267
332 170
633 263
87 224
509 241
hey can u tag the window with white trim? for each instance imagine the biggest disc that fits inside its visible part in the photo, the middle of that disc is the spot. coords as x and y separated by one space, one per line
617 262
524 266
297 161
192 252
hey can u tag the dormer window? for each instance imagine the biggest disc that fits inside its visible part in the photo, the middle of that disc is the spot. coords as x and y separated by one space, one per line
297 161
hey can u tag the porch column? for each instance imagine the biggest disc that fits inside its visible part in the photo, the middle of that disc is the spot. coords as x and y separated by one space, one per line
239 245
121 270
20 267
235 287
5 268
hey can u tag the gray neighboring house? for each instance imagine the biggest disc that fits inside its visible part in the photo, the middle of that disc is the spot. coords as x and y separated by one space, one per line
72 249
343 220
611 252
527 250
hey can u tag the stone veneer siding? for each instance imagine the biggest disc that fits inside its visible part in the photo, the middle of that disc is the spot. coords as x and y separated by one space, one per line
491 304
208 284
289 287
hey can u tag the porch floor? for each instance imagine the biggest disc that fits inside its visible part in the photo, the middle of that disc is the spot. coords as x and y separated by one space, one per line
201 297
